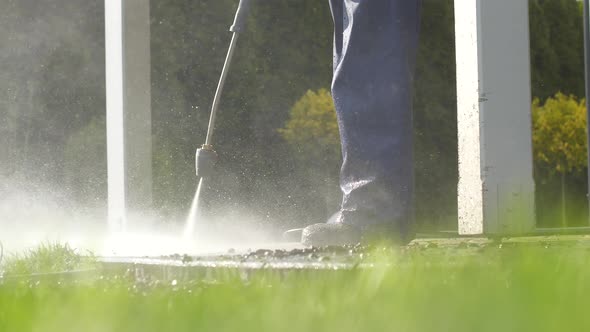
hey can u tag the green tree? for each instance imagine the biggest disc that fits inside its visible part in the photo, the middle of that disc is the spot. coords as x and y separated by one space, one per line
279 58
52 83
312 129
52 76
312 135
557 44
559 138
86 178
435 118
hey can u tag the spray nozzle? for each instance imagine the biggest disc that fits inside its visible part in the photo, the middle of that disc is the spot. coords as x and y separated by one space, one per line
205 160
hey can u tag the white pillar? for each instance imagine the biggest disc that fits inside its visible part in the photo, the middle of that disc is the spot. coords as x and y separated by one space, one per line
496 188
129 144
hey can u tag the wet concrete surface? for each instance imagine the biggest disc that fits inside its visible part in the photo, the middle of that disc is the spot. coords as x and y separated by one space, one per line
285 258
293 257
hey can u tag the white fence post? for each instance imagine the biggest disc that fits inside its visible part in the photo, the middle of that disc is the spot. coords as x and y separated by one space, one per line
129 144
496 188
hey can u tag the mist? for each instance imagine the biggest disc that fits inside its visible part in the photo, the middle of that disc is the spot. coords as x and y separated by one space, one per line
53 152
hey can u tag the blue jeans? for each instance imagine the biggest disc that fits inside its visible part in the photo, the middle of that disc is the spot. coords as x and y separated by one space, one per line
375 46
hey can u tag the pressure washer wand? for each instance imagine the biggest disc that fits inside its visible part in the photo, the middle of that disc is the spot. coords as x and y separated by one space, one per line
206 156
236 28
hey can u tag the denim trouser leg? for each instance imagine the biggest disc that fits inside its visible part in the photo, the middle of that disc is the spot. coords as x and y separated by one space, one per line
374 53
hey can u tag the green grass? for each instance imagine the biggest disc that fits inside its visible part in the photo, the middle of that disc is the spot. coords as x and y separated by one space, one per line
47 258
531 288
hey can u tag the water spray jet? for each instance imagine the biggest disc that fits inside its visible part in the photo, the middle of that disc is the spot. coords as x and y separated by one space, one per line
206 157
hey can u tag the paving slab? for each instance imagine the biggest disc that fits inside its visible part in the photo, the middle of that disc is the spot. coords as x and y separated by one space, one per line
290 257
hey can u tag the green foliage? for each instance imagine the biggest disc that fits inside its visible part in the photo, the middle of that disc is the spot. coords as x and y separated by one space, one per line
86 178
560 148
312 129
557 47
46 258
52 82
280 58
52 76
559 133
271 70
557 59
312 136
435 118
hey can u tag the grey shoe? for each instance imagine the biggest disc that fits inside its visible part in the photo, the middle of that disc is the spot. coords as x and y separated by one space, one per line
321 235
293 235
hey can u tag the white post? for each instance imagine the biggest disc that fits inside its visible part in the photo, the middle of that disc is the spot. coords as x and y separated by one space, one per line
496 188
127 44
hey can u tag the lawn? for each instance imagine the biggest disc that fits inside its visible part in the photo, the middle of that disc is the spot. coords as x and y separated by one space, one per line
496 287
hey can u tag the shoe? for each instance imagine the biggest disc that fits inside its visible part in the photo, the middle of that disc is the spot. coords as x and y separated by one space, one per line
293 235
322 235
335 233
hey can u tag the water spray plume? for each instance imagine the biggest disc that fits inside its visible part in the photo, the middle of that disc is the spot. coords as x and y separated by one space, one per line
193 214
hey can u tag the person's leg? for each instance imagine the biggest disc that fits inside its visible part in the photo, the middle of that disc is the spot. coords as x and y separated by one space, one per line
337 9
374 54
372 90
